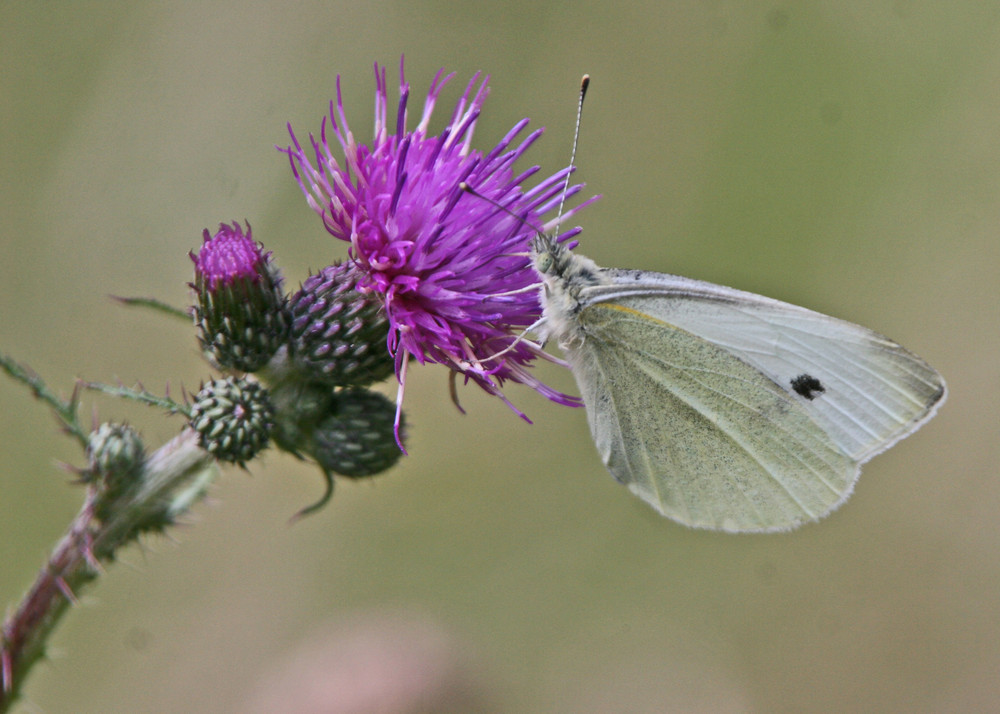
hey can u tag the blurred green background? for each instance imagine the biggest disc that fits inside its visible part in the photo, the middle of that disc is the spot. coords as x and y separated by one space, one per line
840 155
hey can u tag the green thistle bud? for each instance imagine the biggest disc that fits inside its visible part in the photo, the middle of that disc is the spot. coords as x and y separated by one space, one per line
338 334
241 312
356 438
233 417
116 455
115 452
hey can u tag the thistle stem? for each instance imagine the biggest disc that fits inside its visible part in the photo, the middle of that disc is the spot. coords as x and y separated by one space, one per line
171 480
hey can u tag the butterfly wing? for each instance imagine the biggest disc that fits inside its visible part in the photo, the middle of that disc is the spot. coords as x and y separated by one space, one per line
727 410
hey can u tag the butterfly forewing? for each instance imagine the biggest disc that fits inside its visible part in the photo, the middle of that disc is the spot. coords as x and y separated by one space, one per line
868 393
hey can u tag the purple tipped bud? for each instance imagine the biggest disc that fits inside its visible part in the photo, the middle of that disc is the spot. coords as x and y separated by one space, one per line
241 308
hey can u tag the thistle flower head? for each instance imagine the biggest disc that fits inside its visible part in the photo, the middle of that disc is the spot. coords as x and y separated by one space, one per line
450 268
117 455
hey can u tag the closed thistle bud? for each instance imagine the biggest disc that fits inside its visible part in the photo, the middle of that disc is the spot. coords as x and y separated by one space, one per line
241 309
115 453
356 438
338 334
233 417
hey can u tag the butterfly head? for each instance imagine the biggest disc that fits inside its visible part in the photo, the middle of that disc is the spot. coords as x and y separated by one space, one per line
546 254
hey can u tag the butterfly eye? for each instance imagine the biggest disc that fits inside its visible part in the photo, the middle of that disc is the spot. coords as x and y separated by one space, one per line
543 262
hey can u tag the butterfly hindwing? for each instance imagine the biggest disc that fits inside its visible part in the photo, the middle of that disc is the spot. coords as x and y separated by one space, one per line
697 433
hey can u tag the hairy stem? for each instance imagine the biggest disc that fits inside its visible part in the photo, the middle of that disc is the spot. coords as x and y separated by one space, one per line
171 480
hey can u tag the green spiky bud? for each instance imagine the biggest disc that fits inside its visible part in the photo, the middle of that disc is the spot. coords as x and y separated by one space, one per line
241 311
115 453
233 418
356 437
338 334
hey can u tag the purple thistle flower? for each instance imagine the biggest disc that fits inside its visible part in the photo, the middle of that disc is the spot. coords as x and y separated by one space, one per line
450 268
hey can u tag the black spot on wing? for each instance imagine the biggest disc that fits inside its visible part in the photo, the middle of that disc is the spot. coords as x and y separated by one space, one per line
805 385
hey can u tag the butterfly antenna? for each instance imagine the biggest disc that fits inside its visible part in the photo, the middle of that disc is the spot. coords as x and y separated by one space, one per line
463 186
584 83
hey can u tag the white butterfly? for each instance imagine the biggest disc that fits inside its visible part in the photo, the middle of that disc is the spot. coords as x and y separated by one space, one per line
723 409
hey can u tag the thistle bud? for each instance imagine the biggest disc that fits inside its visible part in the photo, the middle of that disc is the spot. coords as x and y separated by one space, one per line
241 309
233 418
356 438
338 334
116 455
115 452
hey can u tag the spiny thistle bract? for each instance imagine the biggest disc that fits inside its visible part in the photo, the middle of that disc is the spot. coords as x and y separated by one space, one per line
241 312
347 431
338 334
234 418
